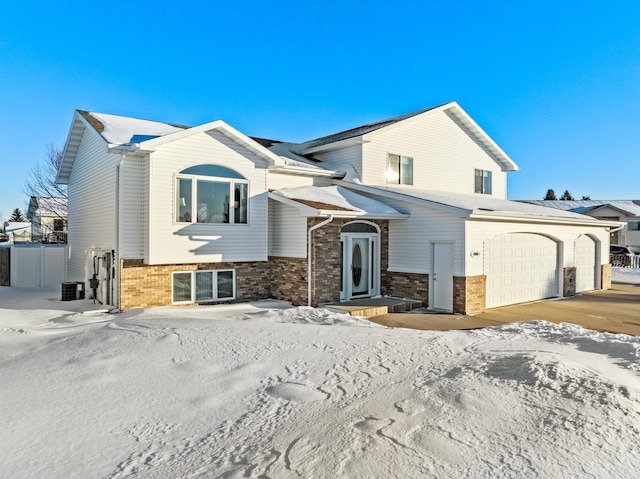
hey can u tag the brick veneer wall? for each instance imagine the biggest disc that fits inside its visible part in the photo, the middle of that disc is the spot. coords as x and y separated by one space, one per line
605 274
409 285
569 281
469 294
289 279
150 285
326 259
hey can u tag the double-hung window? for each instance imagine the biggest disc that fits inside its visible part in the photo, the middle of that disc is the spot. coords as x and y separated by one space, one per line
211 194
203 286
483 182
399 169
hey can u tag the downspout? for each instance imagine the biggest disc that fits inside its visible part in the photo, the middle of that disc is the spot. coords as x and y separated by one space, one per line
309 250
118 221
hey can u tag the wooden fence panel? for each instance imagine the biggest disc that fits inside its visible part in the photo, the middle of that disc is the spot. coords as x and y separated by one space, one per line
5 267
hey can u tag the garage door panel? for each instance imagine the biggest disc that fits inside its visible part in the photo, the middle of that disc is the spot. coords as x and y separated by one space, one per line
526 269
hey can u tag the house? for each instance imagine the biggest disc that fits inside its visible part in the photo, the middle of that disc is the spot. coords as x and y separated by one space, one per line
624 211
17 231
413 206
48 218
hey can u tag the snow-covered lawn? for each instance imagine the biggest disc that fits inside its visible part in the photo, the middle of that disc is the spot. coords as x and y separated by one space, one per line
263 390
625 275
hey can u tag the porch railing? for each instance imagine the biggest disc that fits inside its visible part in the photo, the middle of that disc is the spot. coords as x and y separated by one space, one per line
623 261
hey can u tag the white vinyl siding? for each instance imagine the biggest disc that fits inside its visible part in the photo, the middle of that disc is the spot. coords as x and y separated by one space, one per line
132 208
92 202
277 181
347 159
287 232
171 242
411 240
444 155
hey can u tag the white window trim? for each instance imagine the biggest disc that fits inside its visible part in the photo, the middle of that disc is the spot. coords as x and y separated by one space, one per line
194 192
399 182
215 298
483 186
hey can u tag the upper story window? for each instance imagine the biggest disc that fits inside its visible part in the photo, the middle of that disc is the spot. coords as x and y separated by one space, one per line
483 182
211 194
399 170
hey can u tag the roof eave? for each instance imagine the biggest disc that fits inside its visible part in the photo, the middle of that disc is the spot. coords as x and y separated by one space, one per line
300 170
512 216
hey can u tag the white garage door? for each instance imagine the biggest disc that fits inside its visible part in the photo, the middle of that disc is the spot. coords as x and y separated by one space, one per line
520 267
585 261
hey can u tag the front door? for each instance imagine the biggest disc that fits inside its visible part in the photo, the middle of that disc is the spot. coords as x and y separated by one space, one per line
360 266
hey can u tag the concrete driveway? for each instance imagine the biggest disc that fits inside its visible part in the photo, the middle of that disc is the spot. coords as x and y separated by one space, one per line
616 311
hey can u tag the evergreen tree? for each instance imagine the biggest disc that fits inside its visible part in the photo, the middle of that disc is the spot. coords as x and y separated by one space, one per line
566 196
586 198
551 195
16 216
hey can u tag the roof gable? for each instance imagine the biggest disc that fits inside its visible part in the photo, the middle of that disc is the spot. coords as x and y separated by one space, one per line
367 132
132 135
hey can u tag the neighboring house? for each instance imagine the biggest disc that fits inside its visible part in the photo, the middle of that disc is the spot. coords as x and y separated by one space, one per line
48 218
413 206
625 211
18 231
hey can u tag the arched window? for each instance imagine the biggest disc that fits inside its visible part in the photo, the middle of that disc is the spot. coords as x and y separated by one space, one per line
359 227
211 194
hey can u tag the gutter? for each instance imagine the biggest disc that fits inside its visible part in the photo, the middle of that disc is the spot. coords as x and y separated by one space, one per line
309 251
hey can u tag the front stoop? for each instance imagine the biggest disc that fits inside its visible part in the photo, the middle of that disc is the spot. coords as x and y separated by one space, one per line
368 307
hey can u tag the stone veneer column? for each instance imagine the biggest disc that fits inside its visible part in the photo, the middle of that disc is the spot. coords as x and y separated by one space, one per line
469 294
605 275
569 283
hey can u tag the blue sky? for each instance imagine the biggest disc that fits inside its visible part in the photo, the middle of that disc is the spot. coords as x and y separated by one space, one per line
555 84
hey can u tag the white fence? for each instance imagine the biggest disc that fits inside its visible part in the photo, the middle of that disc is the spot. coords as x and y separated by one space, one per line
38 266
623 261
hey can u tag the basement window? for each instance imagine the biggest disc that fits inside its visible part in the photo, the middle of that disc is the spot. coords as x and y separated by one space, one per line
203 286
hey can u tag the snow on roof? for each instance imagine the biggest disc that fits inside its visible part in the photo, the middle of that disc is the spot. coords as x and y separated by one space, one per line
476 203
585 206
286 151
337 197
122 130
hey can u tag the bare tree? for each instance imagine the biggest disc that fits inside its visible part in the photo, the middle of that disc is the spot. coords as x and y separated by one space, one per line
41 181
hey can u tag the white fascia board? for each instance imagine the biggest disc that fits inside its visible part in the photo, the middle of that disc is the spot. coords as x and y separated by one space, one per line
225 129
71 147
514 217
363 215
336 145
459 212
302 171
491 145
